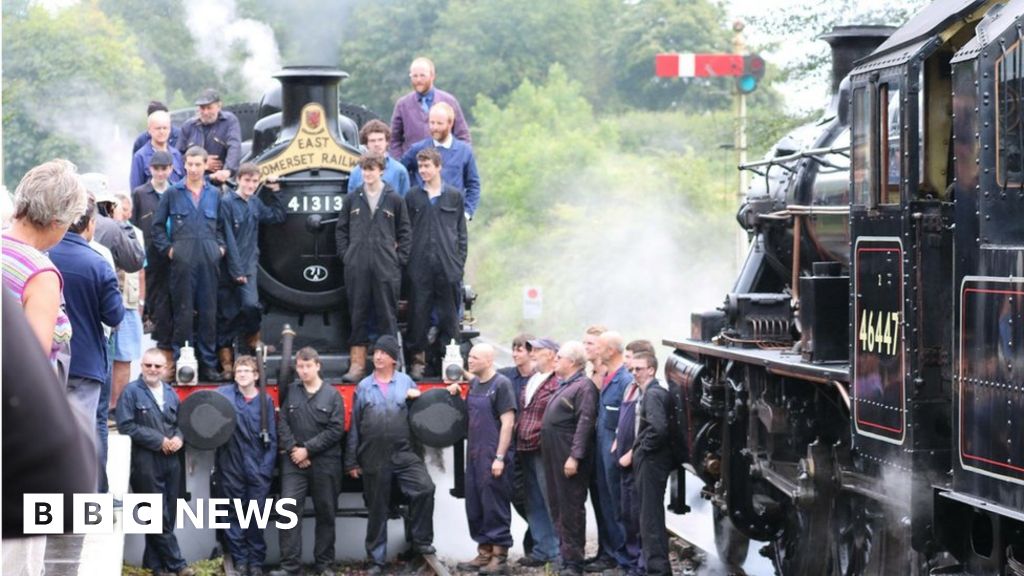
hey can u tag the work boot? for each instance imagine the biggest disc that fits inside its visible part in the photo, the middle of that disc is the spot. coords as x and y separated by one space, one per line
252 342
418 365
356 364
498 563
227 364
483 556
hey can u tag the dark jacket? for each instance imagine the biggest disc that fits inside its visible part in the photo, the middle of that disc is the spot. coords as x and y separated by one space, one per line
241 221
178 219
119 238
569 418
379 241
245 459
315 423
92 298
611 399
140 417
222 139
652 437
438 234
380 433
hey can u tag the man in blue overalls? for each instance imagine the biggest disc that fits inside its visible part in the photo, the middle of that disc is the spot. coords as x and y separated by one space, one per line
492 410
187 231
629 499
245 465
147 412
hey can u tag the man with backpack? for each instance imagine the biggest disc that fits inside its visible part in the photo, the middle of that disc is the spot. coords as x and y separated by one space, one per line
653 461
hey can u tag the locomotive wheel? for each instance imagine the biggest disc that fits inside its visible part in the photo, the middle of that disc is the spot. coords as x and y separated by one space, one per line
864 541
730 543
800 548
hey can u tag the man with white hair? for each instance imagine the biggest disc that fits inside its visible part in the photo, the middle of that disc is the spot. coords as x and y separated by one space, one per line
409 120
491 405
567 445
159 129
218 132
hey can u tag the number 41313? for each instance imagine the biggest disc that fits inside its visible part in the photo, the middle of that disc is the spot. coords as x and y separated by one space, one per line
879 331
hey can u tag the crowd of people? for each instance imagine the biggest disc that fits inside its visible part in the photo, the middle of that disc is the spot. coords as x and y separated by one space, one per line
93 270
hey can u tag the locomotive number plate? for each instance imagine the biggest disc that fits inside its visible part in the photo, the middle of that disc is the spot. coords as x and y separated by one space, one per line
314 203
878 355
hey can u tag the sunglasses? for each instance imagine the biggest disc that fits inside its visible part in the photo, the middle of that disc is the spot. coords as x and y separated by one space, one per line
637 369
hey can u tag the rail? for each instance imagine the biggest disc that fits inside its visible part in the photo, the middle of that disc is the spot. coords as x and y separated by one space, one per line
816 154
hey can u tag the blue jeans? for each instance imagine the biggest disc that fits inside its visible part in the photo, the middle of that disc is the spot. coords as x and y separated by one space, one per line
545 540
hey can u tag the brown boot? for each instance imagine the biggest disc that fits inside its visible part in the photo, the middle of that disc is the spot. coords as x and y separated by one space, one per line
498 563
356 364
483 556
253 342
227 364
418 365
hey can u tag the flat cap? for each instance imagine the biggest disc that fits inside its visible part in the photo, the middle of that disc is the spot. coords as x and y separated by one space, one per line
161 158
542 343
208 96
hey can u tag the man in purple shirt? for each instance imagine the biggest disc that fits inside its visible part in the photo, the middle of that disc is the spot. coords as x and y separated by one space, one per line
409 120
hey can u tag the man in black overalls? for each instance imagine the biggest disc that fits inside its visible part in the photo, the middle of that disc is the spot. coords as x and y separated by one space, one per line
373 238
652 460
147 412
492 410
187 231
436 259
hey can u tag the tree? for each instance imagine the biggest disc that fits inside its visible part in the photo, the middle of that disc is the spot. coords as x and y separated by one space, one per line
645 28
70 78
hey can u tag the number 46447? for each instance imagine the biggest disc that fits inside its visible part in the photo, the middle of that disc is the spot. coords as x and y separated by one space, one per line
879 331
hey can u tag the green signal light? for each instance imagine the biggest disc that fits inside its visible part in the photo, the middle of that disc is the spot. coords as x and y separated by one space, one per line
746 84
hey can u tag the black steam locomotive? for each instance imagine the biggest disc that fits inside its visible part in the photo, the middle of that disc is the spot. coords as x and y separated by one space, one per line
857 402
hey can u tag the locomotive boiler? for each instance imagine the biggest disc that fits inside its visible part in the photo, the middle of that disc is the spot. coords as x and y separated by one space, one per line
855 403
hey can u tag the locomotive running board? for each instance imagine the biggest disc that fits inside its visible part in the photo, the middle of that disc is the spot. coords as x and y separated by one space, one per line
782 363
982 504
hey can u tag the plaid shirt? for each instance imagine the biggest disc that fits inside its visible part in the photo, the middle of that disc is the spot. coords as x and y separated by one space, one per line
530 416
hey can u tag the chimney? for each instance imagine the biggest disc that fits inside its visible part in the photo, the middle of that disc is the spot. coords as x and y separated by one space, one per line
851 43
301 85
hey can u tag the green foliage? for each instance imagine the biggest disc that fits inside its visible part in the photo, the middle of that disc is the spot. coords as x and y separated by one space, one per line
380 41
67 77
590 208
645 28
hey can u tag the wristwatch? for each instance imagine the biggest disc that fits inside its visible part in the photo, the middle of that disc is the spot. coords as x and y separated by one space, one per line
499 457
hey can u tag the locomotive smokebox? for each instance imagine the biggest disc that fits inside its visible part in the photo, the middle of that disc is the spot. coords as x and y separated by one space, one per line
851 43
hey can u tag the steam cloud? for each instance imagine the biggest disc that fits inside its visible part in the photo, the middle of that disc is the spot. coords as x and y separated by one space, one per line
218 31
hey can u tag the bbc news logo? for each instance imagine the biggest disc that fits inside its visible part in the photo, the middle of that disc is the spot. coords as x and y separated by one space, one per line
143 513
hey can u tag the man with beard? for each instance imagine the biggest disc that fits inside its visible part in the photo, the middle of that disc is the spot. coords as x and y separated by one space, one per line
458 164
409 119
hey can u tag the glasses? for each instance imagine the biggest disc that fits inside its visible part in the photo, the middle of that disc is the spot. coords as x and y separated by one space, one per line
636 369
148 365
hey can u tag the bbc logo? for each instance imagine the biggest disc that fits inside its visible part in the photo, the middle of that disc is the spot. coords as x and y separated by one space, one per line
92 514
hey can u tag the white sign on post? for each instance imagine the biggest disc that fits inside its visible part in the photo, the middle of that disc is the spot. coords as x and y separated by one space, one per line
533 302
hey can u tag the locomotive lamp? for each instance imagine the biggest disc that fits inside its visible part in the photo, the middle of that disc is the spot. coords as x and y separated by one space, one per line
451 365
188 367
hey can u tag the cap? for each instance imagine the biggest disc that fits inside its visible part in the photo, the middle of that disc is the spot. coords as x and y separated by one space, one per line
542 343
388 344
161 158
208 96
96 184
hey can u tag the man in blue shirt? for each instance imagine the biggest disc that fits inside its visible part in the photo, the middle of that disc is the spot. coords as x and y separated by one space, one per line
457 159
246 464
380 450
159 131
238 302
375 136
153 106
92 299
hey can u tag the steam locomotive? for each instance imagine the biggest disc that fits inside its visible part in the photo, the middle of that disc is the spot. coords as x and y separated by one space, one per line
303 136
856 403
